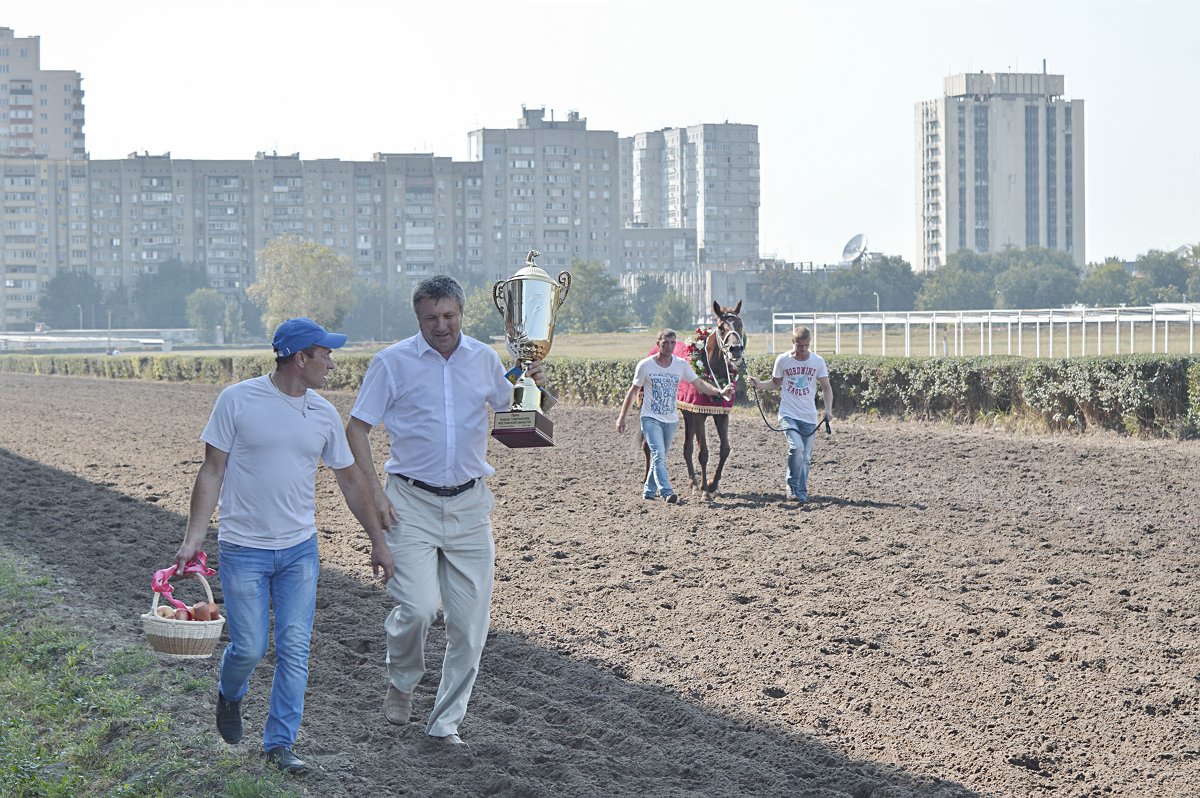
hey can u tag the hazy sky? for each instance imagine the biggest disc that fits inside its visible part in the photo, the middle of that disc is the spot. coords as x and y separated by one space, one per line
831 86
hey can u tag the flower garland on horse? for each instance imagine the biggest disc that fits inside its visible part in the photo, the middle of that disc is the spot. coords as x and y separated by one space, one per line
696 354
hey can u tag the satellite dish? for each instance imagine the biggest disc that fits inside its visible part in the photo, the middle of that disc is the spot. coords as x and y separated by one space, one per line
855 249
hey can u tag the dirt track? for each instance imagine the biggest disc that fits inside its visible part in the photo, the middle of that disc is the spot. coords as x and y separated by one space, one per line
959 612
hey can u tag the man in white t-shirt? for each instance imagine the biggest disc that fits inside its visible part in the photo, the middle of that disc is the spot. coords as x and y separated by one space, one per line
262 445
658 376
799 372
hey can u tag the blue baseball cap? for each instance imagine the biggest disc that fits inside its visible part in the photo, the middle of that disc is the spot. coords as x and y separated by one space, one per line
295 335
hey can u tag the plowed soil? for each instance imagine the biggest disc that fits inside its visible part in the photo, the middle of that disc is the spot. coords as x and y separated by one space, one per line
958 611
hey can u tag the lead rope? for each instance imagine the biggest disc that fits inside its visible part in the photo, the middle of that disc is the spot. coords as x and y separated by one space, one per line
722 342
761 412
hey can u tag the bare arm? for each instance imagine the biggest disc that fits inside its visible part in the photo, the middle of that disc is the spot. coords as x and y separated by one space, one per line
358 435
625 405
359 493
206 491
764 385
826 397
708 389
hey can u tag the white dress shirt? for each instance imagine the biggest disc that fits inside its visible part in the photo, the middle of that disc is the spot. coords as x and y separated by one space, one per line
435 409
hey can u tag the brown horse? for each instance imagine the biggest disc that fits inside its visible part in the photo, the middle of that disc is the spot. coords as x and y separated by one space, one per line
717 362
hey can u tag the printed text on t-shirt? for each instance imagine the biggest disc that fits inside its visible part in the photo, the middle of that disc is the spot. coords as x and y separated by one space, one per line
798 380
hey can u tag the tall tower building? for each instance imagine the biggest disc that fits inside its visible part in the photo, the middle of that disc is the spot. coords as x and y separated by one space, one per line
704 177
1000 162
41 110
547 185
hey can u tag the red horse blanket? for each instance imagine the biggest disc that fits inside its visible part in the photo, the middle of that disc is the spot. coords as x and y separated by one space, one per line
688 398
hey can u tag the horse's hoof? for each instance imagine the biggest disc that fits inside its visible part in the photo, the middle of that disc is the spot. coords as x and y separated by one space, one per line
706 496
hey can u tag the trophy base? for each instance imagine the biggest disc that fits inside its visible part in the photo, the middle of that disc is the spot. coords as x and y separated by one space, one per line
521 429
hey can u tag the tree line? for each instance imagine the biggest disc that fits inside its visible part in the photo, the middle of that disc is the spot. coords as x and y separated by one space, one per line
1011 278
297 277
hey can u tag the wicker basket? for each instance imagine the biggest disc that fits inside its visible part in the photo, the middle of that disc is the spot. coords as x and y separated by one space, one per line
187 639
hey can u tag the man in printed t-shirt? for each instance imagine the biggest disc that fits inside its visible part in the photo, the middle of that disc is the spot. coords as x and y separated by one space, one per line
799 372
659 376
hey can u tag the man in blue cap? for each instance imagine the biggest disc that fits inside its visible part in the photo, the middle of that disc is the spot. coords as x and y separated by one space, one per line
262 445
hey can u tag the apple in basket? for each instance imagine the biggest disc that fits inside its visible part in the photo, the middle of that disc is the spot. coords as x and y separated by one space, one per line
200 611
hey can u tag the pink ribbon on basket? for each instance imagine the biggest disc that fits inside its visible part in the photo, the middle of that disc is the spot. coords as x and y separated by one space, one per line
162 578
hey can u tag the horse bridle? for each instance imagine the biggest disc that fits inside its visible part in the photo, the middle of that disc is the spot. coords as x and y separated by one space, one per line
729 339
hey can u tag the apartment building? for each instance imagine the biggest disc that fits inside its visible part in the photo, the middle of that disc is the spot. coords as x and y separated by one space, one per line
41 110
550 185
1000 162
398 217
45 230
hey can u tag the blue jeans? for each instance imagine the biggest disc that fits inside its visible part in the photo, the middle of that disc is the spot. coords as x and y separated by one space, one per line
254 581
658 435
800 436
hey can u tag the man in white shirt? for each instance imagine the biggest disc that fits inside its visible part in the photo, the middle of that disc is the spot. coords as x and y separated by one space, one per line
799 372
261 448
659 376
432 393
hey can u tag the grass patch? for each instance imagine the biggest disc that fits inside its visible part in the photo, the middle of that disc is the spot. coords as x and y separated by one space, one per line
81 717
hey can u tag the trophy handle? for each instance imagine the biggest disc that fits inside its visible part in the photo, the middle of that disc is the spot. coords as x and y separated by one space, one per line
564 279
498 296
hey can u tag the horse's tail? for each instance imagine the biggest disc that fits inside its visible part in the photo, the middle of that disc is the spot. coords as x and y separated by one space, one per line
639 441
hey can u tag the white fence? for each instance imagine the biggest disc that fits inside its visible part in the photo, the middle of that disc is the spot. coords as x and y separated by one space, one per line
1058 332
98 340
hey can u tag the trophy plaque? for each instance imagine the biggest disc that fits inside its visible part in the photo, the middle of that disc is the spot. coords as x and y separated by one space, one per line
528 301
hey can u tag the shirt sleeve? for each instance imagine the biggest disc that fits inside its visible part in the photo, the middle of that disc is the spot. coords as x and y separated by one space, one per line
687 372
375 394
824 371
639 374
336 454
778 372
221 429
501 398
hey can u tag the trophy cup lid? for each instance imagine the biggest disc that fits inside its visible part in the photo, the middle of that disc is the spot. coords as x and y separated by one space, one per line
531 271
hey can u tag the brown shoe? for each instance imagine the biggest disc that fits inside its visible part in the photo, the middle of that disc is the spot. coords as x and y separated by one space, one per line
397 707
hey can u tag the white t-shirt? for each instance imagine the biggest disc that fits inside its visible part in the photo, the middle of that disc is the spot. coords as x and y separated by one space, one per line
268 495
435 409
799 387
661 386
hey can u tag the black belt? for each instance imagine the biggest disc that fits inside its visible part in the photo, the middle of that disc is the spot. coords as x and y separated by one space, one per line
435 490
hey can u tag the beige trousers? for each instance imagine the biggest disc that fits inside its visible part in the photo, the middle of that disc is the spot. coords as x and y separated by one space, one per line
445 555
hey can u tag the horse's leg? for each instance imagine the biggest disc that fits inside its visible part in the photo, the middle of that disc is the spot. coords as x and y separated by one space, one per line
722 424
702 456
689 440
646 454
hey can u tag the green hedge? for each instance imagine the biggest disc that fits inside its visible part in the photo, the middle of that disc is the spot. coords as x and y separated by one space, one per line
1137 394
